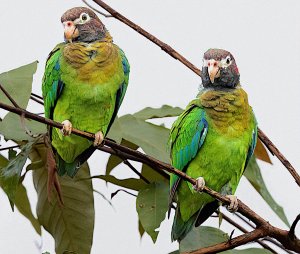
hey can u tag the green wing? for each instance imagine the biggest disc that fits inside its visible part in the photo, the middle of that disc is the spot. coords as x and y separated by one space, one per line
122 89
52 85
186 138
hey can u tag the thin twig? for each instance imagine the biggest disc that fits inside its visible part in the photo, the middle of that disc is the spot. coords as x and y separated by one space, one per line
37 96
172 52
36 100
10 147
126 162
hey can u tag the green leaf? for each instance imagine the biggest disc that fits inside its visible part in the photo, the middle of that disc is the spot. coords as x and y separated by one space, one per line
150 137
11 128
152 176
253 174
207 236
10 175
141 229
17 83
129 183
23 205
21 200
163 111
114 160
115 131
151 206
72 224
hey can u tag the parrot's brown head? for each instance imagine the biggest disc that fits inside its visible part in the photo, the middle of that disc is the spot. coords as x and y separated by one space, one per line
219 69
82 24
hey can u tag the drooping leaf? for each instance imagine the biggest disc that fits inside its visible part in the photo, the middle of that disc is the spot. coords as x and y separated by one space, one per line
163 111
72 224
203 236
253 174
114 160
261 152
141 229
11 128
17 83
150 137
115 131
12 154
129 183
21 200
104 198
10 175
151 206
23 205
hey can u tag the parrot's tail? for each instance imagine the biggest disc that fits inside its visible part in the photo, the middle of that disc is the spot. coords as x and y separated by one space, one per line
180 228
72 168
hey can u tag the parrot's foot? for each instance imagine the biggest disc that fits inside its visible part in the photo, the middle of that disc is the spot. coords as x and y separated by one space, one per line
98 138
234 204
52 177
200 183
67 128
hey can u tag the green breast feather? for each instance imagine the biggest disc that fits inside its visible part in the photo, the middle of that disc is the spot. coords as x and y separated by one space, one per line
85 84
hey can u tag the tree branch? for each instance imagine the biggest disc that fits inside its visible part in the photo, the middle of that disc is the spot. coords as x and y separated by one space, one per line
172 52
263 227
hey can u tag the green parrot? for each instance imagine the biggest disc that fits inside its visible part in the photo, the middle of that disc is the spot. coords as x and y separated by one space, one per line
212 141
84 84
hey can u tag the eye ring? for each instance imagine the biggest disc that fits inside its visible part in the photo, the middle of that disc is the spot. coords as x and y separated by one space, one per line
84 17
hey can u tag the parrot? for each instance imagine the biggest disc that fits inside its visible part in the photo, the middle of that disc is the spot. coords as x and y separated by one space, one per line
84 84
212 141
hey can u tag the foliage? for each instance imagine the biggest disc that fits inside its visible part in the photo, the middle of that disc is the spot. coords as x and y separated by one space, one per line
73 222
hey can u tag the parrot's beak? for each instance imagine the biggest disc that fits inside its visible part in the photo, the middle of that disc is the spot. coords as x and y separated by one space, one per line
70 30
213 70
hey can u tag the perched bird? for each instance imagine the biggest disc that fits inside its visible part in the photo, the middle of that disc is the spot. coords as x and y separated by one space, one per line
84 84
212 140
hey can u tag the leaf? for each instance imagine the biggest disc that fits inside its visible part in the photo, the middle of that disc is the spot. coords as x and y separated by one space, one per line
141 229
115 131
21 200
11 128
261 152
23 205
207 236
150 137
10 174
163 111
72 224
253 174
151 206
114 160
17 83
153 176
129 183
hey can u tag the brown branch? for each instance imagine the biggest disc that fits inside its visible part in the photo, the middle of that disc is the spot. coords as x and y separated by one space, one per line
235 242
36 100
9 97
172 52
263 227
165 47
242 229
274 150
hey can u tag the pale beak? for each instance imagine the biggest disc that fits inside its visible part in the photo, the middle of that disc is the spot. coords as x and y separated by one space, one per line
70 30
213 70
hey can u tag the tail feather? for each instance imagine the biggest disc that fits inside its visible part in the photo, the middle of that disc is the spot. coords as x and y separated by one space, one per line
181 228
72 168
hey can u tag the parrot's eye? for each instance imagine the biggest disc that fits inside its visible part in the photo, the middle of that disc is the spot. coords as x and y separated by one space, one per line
84 17
228 59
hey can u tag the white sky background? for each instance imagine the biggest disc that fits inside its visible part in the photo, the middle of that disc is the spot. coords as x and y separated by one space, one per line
264 37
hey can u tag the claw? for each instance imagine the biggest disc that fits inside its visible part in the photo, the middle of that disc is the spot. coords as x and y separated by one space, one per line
67 128
98 138
200 183
234 204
